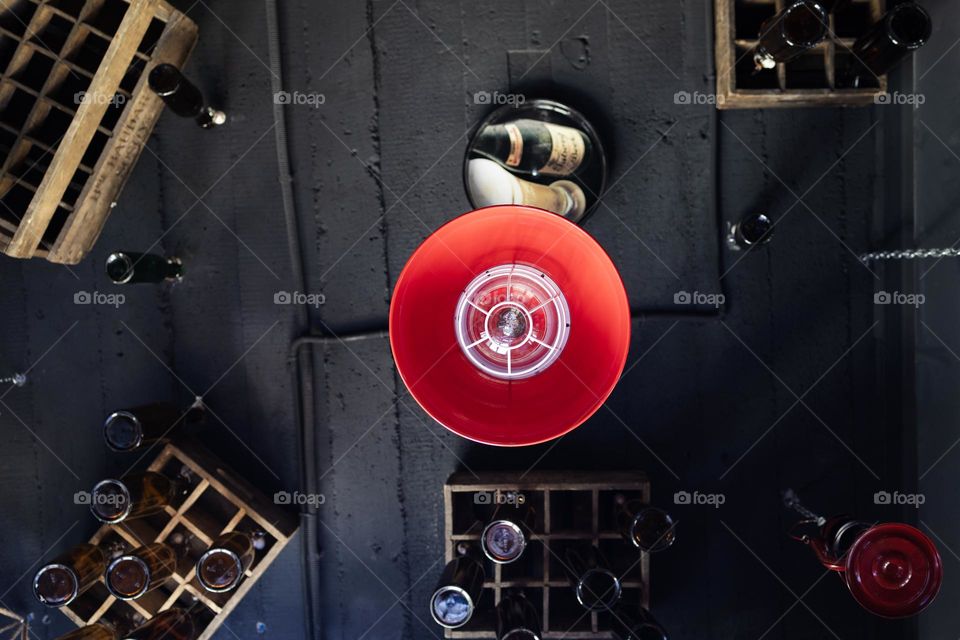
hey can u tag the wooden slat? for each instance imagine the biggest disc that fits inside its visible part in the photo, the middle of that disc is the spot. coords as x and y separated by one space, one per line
113 169
74 144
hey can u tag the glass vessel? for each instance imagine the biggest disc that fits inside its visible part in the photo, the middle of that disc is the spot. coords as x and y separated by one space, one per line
788 34
58 583
517 618
647 528
458 590
142 570
134 496
595 585
222 566
902 30
127 267
131 429
183 97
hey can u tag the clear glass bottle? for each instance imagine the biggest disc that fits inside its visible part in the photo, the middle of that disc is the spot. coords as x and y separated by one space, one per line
647 528
595 585
132 429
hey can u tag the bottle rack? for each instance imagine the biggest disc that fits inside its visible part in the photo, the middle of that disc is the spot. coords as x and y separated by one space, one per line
217 501
807 81
570 508
66 159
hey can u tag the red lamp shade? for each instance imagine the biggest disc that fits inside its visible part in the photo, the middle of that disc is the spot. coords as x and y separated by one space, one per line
894 570
510 326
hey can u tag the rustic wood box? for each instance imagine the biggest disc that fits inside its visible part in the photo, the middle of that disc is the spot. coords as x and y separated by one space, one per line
75 113
570 507
808 81
218 501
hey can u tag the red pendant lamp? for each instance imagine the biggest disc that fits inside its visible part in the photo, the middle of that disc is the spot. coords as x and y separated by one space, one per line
510 326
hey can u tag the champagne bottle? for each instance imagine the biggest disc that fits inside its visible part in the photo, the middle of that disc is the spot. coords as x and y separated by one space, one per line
131 429
223 565
534 147
172 624
96 631
504 537
142 570
491 184
59 582
134 496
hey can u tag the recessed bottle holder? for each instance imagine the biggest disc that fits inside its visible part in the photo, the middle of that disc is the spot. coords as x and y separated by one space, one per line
569 187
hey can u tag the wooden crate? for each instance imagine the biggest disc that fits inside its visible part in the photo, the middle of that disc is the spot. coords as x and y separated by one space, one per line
67 158
571 507
808 81
219 501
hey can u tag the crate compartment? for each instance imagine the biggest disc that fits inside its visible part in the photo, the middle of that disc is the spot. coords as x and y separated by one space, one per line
109 17
17 109
72 8
15 15
88 51
51 31
34 73
571 511
8 47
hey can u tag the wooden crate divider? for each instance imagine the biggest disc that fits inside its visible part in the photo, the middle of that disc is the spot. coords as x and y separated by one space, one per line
572 507
218 501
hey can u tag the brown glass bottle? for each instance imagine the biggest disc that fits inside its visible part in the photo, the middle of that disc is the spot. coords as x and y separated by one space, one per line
183 97
172 624
647 528
97 631
786 35
133 496
221 568
58 583
142 570
901 31
131 429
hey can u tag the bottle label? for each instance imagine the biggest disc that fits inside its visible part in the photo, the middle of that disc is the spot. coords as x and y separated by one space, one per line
567 153
516 145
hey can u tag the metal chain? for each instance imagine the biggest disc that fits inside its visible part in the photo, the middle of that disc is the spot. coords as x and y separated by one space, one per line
792 501
910 254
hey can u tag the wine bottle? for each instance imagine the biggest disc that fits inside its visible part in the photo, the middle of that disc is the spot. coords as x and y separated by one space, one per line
647 528
636 624
788 34
458 590
134 496
222 566
59 582
126 267
183 97
142 570
595 586
96 631
901 31
751 230
534 147
517 618
504 537
172 624
131 429
491 184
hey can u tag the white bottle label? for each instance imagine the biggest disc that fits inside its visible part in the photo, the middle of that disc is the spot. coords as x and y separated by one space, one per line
516 145
568 151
